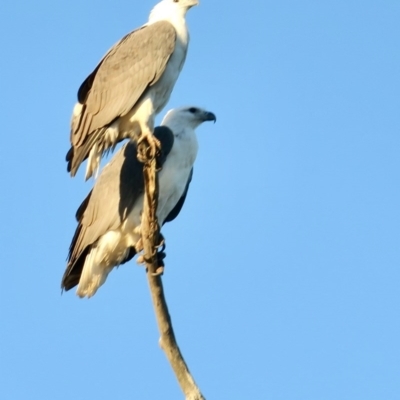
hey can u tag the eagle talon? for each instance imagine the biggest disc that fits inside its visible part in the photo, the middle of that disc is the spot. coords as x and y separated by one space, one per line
161 245
159 271
148 147
160 261
140 260
148 259
158 252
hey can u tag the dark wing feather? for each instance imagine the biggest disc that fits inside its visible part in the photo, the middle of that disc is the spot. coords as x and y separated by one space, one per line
136 62
76 155
177 209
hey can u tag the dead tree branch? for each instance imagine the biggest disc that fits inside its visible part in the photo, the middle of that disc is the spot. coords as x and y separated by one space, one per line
150 239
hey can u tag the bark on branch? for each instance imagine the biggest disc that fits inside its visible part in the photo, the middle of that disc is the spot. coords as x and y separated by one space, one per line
150 239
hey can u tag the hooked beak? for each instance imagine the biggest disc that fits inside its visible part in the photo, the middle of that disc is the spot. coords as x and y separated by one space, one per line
193 3
209 116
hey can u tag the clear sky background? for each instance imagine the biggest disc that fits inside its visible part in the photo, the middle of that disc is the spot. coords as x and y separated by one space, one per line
282 271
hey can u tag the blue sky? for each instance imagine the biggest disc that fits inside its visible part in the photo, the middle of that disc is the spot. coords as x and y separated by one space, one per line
282 271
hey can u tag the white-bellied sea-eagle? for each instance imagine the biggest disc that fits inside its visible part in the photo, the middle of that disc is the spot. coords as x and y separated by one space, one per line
109 219
130 85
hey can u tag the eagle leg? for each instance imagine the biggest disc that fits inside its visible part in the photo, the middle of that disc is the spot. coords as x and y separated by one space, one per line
160 262
162 242
151 149
160 254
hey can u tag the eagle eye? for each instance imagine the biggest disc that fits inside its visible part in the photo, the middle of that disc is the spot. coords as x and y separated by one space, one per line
192 110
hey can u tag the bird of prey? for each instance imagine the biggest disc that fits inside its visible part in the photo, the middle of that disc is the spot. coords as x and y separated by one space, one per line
130 85
109 219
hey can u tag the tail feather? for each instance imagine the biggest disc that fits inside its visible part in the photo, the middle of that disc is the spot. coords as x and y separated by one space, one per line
92 277
93 146
73 271
102 257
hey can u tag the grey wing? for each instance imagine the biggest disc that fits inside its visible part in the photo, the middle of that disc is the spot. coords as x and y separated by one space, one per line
135 63
116 190
113 195
178 207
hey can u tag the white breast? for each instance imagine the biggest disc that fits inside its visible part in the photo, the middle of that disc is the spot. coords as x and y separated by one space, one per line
175 173
163 88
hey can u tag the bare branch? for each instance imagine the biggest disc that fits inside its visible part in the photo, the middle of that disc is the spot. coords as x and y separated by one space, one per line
150 239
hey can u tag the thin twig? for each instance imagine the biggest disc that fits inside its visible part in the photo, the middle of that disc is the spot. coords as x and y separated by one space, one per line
150 238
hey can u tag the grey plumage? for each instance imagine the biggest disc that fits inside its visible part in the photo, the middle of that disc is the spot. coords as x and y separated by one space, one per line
110 201
110 91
